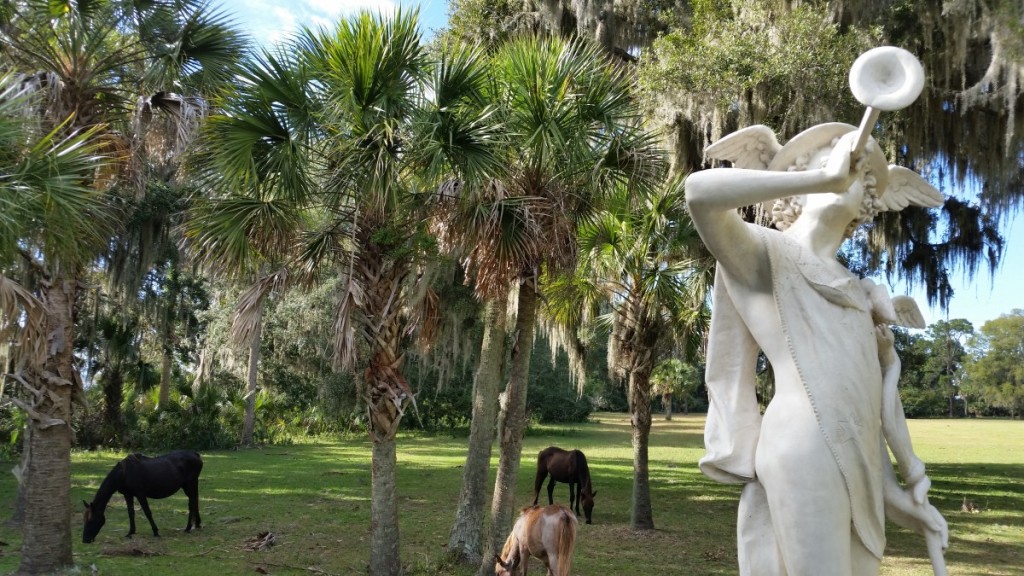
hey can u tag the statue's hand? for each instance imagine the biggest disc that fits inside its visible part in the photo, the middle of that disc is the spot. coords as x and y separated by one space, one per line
904 508
840 168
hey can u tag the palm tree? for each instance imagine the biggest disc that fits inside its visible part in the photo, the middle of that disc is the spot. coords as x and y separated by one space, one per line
118 343
570 132
54 222
674 378
97 69
335 146
640 257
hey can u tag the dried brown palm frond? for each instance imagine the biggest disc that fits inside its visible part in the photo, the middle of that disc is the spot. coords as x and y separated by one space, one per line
249 309
345 345
164 125
22 321
506 236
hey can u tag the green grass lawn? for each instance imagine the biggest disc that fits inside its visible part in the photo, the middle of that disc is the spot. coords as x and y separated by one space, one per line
315 497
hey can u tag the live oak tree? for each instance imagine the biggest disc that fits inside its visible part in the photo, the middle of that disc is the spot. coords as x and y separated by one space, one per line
709 68
996 368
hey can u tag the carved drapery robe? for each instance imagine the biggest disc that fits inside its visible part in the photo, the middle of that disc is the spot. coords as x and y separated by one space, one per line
825 316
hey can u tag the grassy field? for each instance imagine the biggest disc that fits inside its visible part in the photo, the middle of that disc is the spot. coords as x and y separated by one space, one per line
314 498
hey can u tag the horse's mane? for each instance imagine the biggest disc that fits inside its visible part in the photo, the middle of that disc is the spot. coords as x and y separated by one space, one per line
509 543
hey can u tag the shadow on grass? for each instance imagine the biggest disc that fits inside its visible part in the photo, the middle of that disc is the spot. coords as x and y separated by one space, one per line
315 497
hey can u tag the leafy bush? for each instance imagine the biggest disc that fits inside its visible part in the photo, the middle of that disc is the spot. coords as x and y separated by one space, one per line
924 403
201 420
557 404
12 422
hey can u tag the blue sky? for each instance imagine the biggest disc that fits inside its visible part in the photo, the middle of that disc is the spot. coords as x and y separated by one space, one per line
985 298
270 21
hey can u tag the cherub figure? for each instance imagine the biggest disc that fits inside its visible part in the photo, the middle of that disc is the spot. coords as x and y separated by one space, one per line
816 473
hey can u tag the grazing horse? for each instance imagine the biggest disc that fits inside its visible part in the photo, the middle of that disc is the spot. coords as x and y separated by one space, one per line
142 477
548 533
570 467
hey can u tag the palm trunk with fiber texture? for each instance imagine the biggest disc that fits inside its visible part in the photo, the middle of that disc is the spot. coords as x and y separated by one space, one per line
466 537
387 395
512 427
46 544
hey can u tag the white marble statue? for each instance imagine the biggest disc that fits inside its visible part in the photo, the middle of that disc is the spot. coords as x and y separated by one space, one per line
818 481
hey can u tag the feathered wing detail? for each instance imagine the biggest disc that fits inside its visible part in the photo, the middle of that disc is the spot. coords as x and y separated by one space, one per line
907 187
908 314
752 147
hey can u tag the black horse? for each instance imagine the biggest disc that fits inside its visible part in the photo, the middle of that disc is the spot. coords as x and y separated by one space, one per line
570 467
142 477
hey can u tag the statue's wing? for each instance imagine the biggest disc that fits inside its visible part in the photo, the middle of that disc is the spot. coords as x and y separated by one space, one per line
907 312
907 187
752 147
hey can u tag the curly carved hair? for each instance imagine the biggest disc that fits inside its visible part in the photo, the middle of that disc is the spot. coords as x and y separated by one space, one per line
785 211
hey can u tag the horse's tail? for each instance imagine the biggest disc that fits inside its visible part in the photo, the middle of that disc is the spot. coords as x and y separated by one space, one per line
566 541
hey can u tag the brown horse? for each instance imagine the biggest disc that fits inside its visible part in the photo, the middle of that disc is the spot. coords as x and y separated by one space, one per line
548 533
569 467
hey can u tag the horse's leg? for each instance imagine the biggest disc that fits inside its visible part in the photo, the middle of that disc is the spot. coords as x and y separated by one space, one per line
149 515
574 496
130 502
191 489
551 491
542 473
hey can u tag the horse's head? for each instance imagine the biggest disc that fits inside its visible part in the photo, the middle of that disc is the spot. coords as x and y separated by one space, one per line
94 519
503 568
588 504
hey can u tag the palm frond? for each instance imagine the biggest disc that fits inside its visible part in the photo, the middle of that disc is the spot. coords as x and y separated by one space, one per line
199 47
249 308
238 233
66 217
22 321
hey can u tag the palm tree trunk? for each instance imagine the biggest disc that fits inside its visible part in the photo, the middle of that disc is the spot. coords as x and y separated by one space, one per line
46 544
170 315
512 426
641 517
384 537
666 401
165 375
249 422
387 395
113 395
466 537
